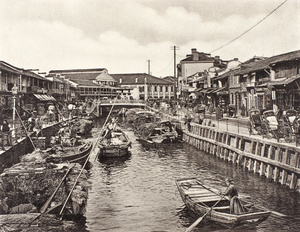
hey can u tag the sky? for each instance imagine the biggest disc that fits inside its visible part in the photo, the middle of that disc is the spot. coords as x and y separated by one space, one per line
122 35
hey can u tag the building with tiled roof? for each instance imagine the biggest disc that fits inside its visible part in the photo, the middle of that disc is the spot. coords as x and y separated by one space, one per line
145 86
263 82
33 89
170 79
196 62
91 83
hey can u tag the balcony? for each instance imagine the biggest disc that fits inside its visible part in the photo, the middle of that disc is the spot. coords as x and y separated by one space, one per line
252 84
34 89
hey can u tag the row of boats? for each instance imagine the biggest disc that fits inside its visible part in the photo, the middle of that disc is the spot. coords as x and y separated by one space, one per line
199 198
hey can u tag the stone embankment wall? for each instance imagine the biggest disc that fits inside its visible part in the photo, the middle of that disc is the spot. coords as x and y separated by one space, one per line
276 161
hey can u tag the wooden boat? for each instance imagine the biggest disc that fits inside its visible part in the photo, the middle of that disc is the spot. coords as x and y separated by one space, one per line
72 154
157 133
117 146
199 198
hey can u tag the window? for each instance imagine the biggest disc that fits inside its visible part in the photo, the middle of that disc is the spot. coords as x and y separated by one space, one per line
155 88
161 88
141 88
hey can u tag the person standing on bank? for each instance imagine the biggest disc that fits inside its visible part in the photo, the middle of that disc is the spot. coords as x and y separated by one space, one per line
5 129
232 193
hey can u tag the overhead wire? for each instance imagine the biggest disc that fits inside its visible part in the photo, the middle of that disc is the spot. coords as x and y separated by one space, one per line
231 41
166 66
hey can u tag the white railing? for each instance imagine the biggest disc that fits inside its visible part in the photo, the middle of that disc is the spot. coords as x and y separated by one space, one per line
120 101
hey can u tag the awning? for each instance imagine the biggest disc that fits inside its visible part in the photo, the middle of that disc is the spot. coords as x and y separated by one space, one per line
44 97
219 89
211 90
284 82
206 90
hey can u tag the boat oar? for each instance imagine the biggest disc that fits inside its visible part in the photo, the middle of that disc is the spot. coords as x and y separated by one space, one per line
25 129
100 138
201 218
70 193
47 203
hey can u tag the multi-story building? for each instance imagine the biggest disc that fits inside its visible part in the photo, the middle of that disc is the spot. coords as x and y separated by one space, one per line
195 63
29 89
264 82
88 83
145 86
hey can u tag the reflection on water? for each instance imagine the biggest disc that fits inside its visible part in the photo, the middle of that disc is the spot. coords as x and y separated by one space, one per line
139 193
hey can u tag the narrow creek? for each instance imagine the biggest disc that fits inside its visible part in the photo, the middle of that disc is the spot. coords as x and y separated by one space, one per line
139 193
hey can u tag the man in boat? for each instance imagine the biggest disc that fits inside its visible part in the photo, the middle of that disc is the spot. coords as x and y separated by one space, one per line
108 134
232 193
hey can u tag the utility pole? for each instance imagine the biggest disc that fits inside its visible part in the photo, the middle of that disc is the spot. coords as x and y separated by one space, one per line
175 79
149 67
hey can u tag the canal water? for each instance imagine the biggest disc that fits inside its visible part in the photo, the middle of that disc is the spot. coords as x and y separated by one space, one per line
139 193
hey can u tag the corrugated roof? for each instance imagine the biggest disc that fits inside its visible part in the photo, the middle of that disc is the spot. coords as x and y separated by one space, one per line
139 78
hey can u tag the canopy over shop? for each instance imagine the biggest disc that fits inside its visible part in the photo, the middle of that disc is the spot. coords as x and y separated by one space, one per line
39 103
286 92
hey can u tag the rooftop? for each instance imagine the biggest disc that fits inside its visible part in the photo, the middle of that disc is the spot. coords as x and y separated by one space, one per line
63 71
139 78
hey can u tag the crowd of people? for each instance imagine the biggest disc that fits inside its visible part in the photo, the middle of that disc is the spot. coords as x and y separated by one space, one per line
32 120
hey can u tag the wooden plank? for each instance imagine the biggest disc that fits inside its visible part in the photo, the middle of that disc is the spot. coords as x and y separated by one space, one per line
205 194
209 196
222 207
188 192
207 199
201 195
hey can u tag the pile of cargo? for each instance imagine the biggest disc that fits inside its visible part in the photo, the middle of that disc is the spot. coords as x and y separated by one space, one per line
26 188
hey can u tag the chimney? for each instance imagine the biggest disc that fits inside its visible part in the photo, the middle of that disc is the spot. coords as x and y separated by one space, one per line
217 57
195 54
236 59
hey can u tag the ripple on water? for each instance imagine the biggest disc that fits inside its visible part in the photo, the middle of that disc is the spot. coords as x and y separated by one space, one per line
139 193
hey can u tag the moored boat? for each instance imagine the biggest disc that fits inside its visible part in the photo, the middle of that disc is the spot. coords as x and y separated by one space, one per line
77 154
157 133
116 146
199 198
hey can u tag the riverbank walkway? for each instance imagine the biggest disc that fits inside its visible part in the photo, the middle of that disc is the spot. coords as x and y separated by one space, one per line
237 125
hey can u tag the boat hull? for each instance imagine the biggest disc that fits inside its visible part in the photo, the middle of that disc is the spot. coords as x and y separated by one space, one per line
113 151
117 146
73 155
199 199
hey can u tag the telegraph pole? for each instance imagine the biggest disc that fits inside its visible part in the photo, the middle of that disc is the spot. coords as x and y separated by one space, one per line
175 79
149 67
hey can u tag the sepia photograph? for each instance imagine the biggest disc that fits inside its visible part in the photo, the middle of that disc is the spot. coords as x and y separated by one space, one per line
149 115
